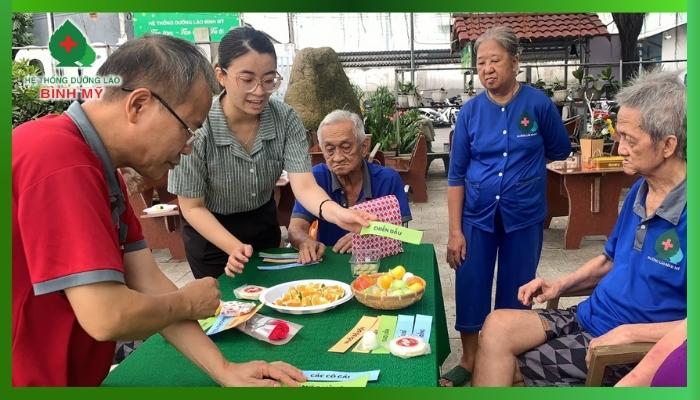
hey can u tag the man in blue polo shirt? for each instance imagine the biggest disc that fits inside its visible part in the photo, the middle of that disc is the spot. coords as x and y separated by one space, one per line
639 280
348 179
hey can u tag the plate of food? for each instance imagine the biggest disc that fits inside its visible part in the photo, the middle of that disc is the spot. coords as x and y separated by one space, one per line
308 296
160 208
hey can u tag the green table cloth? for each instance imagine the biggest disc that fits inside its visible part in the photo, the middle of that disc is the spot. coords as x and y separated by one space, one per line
157 363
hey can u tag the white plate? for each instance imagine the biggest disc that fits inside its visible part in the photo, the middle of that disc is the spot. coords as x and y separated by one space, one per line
268 296
160 208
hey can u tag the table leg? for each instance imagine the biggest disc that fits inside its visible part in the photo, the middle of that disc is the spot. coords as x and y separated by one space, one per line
593 204
557 201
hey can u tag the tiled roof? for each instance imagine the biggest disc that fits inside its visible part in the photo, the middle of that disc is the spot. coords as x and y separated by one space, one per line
533 27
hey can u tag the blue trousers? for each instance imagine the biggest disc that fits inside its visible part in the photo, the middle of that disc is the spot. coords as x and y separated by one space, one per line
518 255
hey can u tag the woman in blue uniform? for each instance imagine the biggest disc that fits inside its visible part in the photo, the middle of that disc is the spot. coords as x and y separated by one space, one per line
496 189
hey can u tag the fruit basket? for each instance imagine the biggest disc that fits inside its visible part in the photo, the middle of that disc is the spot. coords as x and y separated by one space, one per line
381 300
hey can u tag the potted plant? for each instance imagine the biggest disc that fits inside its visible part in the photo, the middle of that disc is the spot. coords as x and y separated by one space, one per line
559 92
593 141
469 91
583 81
607 84
542 85
407 94
439 96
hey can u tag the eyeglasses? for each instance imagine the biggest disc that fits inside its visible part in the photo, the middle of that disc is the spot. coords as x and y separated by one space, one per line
191 135
248 83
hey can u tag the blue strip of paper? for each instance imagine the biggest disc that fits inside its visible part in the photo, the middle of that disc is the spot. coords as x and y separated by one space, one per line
283 266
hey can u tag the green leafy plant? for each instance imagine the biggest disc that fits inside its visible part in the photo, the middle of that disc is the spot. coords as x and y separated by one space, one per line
26 104
380 122
558 85
407 88
542 85
606 83
469 87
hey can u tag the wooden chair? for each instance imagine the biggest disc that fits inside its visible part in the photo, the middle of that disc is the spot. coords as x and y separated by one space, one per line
443 155
414 174
573 126
604 356
162 231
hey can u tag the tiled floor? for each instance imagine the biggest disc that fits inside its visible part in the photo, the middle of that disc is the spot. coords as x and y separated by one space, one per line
431 217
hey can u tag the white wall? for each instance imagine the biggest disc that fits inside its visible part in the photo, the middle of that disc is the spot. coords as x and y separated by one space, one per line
675 47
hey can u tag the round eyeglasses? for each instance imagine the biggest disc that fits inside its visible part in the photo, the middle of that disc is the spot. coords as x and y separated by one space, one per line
249 83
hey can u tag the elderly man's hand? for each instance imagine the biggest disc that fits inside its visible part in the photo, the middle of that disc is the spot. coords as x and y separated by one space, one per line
344 244
260 373
310 251
539 290
619 335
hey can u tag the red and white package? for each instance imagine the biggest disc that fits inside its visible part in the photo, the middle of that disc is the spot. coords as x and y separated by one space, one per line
272 330
235 308
248 292
386 209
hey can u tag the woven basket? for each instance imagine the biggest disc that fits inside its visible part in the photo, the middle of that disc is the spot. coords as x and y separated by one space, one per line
387 302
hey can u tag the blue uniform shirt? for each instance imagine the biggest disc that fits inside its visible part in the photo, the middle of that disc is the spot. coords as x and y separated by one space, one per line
499 155
377 181
647 282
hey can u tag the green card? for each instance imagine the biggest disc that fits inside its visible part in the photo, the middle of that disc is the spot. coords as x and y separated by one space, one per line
385 332
393 231
357 382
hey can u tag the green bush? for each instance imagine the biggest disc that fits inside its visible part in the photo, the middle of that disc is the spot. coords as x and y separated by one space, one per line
26 104
380 122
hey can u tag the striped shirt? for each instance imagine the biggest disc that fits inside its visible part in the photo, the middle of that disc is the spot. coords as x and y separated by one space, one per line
230 179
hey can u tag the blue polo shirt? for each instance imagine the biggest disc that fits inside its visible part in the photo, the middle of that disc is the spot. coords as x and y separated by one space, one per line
499 155
377 181
647 282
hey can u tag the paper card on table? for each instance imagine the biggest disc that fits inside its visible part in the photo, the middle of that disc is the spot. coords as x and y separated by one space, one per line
337 376
358 348
354 335
385 332
264 254
393 231
404 326
279 260
207 323
284 266
422 326
223 323
357 382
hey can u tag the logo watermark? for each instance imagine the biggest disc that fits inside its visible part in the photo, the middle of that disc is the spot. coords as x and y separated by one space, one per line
69 47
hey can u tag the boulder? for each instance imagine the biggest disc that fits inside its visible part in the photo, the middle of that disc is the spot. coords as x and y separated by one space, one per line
317 86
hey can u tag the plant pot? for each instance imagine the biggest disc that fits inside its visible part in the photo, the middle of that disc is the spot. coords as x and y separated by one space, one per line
559 96
402 100
412 100
438 96
591 148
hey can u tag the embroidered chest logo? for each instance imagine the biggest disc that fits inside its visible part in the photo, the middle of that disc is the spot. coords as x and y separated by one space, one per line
668 247
527 124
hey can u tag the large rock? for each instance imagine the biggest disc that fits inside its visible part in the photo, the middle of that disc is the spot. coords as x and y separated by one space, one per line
318 85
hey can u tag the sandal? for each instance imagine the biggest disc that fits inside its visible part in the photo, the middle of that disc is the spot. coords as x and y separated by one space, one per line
458 376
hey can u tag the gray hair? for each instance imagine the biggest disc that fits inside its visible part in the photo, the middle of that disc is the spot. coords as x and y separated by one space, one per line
660 97
164 64
358 127
504 35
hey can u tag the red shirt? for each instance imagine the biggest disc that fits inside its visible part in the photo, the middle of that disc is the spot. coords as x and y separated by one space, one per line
63 235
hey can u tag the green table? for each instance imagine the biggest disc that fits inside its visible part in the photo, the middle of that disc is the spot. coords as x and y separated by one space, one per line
157 363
